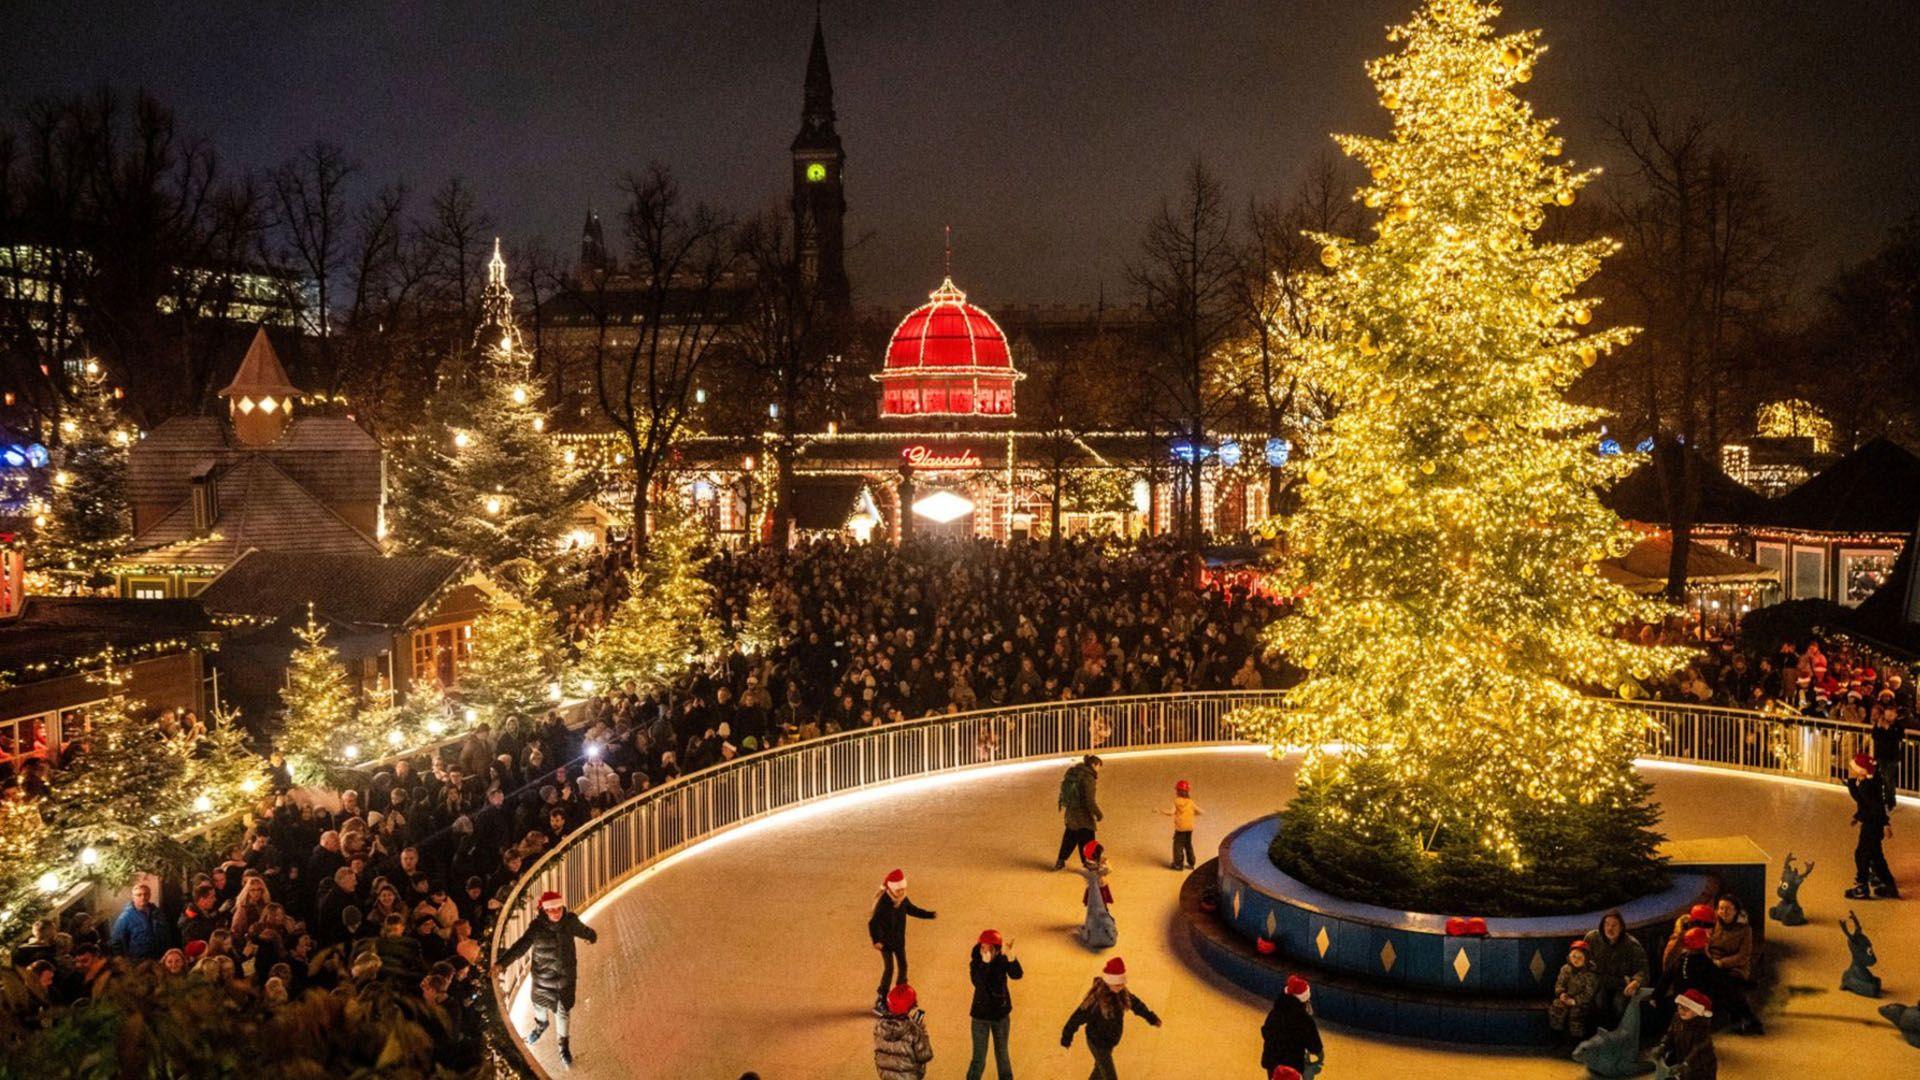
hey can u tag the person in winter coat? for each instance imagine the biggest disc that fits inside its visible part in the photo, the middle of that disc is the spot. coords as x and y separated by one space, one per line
990 966
1103 1012
1183 812
555 966
1620 962
1576 992
901 1049
1098 930
1730 949
140 932
887 927
1080 807
1687 1047
1872 877
1291 1038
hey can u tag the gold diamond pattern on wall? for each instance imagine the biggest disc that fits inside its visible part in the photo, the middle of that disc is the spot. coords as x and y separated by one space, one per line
1322 942
1236 903
1271 925
1461 965
1387 957
1538 966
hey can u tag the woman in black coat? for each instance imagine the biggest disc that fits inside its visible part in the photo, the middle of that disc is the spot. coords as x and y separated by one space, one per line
555 966
1290 1036
990 966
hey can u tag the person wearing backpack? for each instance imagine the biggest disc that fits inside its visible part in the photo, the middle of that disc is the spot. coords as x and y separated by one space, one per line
1079 806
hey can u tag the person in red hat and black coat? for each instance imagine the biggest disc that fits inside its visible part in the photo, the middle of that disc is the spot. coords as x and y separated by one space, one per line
990 966
1872 877
887 926
555 966
1291 1037
1104 1014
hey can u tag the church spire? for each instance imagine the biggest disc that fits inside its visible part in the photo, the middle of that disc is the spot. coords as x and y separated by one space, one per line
816 113
497 334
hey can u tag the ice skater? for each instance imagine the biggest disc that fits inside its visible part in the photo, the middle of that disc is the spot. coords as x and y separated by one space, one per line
901 1048
888 928
1291 1038
1872 877
1183 812
990 967
555 965
1103 1012
1079 807
1098 931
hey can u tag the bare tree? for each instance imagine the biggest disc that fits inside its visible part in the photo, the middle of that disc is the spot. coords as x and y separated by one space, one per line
653 341
1280 259
786 334
1704 266
1186 279
457 233
313 222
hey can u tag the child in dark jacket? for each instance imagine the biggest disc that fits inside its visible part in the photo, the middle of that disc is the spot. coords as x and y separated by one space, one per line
1103 1012
887 926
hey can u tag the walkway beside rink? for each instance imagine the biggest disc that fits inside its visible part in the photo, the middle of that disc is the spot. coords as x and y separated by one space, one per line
750 951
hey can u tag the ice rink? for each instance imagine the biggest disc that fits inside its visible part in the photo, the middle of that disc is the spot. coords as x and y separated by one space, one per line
749 951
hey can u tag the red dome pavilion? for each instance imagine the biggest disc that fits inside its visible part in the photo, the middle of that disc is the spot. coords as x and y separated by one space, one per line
947 358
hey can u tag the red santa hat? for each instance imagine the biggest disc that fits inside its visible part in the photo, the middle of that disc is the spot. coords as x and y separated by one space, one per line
1297 988
1182 787
549 897
1700 913
1090 850
1864 764
195 948
901 1000
1579 945
1695 1003
990 937
897 881
1285 1072
1696 939
1115 973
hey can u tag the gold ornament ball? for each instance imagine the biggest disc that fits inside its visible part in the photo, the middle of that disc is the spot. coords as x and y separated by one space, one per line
1565 198
1390 100
1583 316
1427 468
1588 355
1396 486
1511 56
1523 74
1330 256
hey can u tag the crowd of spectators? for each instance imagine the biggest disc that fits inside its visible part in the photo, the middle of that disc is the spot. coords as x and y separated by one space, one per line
384 890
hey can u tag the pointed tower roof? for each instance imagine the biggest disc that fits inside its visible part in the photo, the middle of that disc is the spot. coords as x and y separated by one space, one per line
816 112
496 333
260 373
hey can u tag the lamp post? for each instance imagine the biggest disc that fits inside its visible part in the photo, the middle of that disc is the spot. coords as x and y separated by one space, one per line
752 537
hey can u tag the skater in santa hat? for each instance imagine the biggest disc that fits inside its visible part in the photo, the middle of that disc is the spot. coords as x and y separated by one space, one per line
555 967
1291 1038
1103 1012
888 929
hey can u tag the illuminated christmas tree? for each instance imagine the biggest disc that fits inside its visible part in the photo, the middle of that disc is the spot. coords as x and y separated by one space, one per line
319 727
666 620
484 478
516 656
87 517
1450 620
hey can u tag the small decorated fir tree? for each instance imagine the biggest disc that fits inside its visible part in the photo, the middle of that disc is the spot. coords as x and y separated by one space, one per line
666 621
87 517
318 727
1451 620
516 655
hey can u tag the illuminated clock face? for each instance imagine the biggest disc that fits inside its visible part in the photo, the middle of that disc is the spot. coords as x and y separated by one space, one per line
816 172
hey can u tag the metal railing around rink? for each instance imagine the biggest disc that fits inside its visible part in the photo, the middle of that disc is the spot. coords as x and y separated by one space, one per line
595 859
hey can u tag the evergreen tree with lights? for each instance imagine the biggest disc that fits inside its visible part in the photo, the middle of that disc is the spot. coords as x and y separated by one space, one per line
484 478
318 728
1450 620
666 620
88 521
509 675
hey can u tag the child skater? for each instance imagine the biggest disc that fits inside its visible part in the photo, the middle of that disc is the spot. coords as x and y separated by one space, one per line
1183 812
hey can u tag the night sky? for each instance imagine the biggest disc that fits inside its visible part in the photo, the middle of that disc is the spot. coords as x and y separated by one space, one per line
1043 132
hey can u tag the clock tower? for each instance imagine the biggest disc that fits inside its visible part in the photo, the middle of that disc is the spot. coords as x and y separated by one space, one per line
819 197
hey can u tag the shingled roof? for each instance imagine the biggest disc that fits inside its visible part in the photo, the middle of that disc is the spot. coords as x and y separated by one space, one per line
261 507
1723 500
62 628
260 374
368 590
1875 489
330 456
